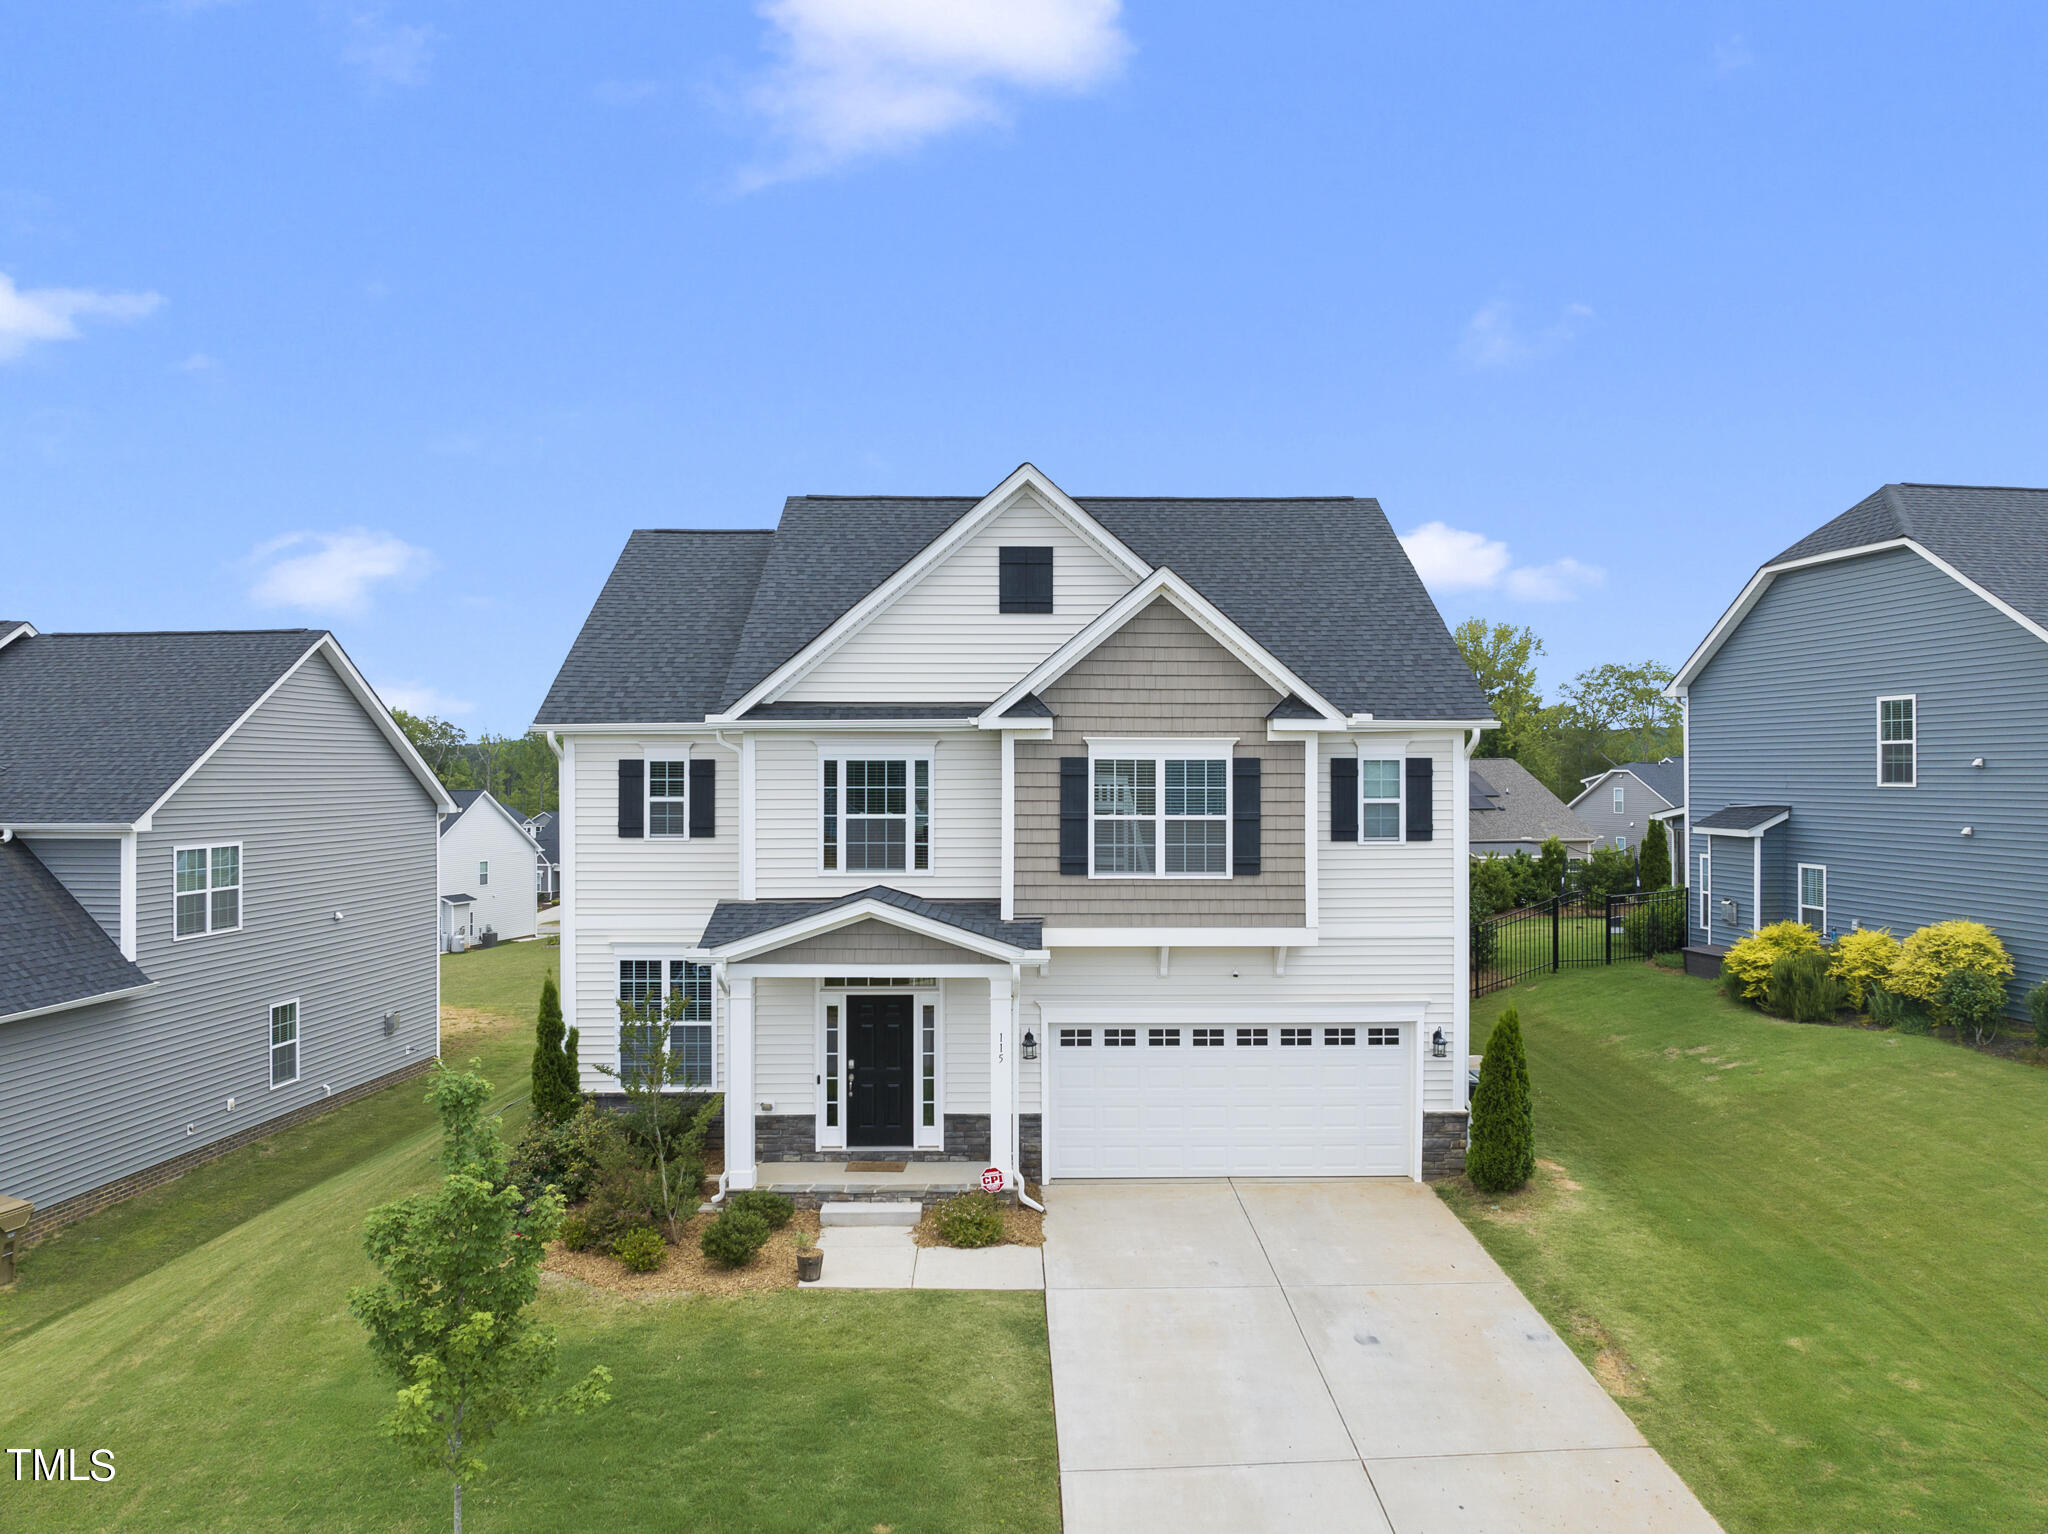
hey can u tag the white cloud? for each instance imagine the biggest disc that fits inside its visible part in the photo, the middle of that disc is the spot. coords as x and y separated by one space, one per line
422 698
1453 559
387 52
1731 54
1494 339
863 77
333 572
29 315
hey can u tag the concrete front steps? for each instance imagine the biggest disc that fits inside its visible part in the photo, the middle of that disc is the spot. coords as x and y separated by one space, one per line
814 1184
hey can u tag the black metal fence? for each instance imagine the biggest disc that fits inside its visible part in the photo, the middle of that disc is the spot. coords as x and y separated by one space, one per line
1572 932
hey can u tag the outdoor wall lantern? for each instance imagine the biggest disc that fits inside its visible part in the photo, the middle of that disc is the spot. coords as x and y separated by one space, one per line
1437 1046
1030 1045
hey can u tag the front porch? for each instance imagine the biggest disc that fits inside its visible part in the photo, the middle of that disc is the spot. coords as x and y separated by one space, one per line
810 1183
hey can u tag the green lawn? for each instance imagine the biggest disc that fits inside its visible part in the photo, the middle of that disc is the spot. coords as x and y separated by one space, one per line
505 979
210 1348
1815 1255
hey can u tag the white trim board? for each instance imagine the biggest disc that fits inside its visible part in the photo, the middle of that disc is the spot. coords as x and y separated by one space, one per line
832 919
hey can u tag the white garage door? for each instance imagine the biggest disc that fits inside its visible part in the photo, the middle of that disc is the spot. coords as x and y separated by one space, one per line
1259 1101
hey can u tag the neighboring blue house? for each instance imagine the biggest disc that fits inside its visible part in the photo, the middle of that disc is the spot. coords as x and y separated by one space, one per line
1866 730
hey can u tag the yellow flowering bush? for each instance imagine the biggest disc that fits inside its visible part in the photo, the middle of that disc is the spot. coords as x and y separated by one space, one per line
1863 958
1928 956
1749 961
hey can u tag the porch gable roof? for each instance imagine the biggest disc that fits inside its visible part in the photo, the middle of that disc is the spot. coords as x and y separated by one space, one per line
738 921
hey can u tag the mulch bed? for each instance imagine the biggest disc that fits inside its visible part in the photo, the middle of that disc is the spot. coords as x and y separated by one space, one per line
684 1270
1021 1226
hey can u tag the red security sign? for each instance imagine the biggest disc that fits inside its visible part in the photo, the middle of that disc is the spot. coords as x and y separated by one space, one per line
992 1179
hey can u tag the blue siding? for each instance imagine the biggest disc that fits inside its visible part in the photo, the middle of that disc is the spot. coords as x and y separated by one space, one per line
1734 878
1785 713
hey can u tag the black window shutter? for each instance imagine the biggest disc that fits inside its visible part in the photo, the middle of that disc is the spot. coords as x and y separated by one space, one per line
1024 580
703 796
1244 815
1074 815
632 798
1343 798
1421 799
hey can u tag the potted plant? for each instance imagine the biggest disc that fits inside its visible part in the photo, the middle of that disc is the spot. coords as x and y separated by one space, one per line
810 1262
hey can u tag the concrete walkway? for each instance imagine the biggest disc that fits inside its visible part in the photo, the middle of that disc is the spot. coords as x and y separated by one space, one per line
1337 1356
884 1257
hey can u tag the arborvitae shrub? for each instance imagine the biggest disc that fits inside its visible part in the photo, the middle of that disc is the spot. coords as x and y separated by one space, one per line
1502 1153
556 1092
1653 860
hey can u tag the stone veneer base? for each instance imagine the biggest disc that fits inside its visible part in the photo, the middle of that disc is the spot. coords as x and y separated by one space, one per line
1444 1137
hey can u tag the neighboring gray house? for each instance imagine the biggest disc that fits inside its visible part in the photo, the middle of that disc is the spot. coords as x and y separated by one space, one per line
1865 729
546 831
487 856
1620 803
216 901
1512 812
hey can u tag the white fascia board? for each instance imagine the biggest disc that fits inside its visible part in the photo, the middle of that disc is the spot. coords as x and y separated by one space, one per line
1676 812
1211 619
1365 724
1759 583
1754 834
1180 937
364 694
984 511
83 1001
59 828
823 922
19 631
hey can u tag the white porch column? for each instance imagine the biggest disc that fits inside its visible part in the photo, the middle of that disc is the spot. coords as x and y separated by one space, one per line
739 1083
1002 1081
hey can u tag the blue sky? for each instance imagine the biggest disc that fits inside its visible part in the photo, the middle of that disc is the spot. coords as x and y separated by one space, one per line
396 318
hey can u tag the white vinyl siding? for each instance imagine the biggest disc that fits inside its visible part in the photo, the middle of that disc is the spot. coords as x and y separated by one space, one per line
944 641
479 842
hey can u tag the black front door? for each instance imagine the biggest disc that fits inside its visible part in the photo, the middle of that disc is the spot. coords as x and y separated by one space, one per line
880 1073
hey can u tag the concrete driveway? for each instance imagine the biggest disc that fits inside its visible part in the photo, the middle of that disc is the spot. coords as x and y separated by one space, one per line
1335 1356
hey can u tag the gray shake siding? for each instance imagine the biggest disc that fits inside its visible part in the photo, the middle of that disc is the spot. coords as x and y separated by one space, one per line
1160 675
89 867
1785 713
330 820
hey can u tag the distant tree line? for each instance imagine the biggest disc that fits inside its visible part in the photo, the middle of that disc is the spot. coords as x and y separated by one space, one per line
1602 717
517 770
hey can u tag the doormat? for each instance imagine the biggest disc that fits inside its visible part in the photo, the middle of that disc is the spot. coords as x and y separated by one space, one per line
876 1166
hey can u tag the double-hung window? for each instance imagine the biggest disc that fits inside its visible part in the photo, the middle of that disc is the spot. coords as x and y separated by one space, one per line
877 814
1379 791
668 798
284 1043
684 1003
1620 796
1897 742
209 890
483 872
1165 813
1813 896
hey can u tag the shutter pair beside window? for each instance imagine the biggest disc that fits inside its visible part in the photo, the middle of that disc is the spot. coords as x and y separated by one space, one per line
1420 772
1244 815
633 796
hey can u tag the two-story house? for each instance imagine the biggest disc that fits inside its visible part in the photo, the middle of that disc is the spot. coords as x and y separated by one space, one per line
487 860
1864 732
1078 838
216 901
1619 804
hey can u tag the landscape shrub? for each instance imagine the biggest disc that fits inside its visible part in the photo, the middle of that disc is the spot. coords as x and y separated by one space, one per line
734 1238
1502 1153
972 1219
1653 860
1485 940
1609 871
1804 988
1547 871
771 1207
640 1250
575 1233
1928 956
1493 886
1864 958
2037 1004
569 1156
1971 1002
557 1094
1750 960
1653 928
1888 1009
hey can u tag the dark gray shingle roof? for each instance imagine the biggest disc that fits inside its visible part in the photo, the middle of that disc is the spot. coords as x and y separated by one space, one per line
1521 809
659 638
95 727
1322 582
1666 779
1742 817
732 920
51 951
1995 535
550 838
